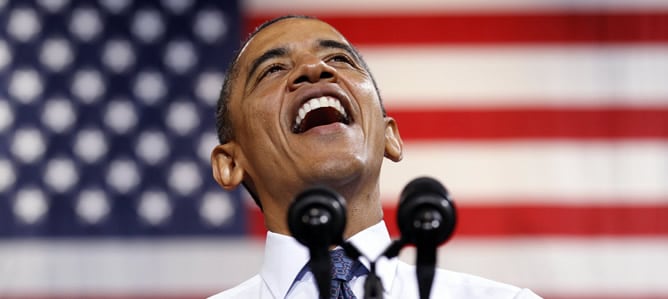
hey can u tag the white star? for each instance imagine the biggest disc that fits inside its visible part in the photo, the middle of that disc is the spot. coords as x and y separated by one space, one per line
148 25
149 87
56 54
154 207
28 145
7 176
182 117
184 177
58 115
115 6
23 24
5 55
53 6
85 24
208 86
120 116
90 145
152 147
210 25
180 56
216 208
61 174
30 205
25 85
92 206
177 6
123 175
118 55
207 142
6 115
88 85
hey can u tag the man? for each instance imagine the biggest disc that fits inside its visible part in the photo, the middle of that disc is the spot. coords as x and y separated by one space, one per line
300 108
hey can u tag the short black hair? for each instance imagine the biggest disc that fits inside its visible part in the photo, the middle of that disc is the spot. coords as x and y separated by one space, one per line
224 128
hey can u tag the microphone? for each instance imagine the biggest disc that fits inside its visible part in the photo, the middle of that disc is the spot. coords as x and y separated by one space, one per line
426 218
317 218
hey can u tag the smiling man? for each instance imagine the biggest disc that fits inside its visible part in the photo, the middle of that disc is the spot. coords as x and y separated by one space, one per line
300 108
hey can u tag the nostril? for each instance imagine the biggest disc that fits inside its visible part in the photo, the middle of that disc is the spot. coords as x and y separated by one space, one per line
301 79
326 75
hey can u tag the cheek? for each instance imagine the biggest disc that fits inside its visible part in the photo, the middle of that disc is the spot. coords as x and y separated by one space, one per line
368 91
259 122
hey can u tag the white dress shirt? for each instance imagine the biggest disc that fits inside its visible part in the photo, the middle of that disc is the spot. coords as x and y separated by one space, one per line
285 258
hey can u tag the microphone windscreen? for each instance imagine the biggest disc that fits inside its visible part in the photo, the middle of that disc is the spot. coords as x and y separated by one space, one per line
426 214
317 217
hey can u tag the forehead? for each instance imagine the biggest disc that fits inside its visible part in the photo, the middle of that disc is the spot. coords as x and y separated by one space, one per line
294 33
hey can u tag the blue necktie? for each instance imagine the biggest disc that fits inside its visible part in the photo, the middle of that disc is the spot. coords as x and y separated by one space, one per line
343 269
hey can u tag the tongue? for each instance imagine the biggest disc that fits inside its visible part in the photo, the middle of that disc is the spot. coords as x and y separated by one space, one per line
319 117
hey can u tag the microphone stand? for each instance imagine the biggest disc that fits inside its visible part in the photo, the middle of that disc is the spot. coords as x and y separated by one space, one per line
373 286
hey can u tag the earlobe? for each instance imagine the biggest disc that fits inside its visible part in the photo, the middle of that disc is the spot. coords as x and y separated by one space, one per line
226 171
393 143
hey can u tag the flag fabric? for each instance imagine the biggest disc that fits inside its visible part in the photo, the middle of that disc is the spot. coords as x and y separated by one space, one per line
106 127
546 120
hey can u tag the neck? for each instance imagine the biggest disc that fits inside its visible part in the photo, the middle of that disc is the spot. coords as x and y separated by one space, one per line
363 206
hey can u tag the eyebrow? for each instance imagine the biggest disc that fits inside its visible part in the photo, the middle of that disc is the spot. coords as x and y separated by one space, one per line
272 53
328 43
282 51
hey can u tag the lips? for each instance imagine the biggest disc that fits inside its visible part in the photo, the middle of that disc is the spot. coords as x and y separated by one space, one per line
319 111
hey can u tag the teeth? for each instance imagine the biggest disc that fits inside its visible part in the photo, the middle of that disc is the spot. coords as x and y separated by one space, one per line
316 103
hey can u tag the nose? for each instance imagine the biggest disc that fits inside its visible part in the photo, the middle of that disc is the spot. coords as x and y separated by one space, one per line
311 70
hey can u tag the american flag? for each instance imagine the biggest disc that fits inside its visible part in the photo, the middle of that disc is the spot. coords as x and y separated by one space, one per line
106 126
547 121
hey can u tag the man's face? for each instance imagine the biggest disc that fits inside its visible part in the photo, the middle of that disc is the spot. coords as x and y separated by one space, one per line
305 111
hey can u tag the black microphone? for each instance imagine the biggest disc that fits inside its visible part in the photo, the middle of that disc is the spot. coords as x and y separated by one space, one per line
426 218
317 218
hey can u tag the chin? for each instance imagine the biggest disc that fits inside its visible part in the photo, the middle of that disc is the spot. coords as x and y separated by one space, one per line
339 170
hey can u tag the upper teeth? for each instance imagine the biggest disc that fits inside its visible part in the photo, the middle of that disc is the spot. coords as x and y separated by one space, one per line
316 103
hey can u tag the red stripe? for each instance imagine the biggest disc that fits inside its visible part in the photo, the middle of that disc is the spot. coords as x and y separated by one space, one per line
479 28
540 220
486 123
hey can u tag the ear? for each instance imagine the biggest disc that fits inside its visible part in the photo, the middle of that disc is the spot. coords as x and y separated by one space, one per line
226 171
393 144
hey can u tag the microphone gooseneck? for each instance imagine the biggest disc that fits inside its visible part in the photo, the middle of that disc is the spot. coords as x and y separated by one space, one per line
426 218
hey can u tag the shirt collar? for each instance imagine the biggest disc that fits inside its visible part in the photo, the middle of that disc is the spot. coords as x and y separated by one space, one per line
284 258
372 242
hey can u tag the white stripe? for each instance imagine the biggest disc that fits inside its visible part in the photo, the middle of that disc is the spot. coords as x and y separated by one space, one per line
422 6
567 267
200 267
632 172
514 76
123 266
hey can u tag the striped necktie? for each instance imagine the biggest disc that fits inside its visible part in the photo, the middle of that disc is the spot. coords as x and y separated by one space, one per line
343 270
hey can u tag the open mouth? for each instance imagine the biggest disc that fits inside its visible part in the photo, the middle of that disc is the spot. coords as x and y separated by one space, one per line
319 111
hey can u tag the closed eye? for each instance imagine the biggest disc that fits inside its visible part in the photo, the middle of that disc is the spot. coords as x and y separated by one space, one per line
340 58
274 68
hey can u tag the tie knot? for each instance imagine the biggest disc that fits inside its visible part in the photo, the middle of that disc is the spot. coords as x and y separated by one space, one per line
342 265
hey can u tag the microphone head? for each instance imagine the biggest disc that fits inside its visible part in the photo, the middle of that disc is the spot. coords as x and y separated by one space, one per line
317 217
426 214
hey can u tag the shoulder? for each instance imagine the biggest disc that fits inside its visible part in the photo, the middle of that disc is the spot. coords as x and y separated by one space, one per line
472 286
451 284
247 289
